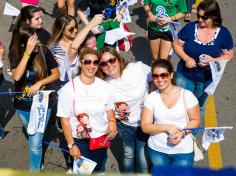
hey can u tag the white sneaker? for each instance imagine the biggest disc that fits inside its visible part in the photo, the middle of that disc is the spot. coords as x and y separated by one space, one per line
69 171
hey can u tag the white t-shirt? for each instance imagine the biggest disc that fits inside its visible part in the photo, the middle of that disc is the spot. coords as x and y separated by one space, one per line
91 101
129 91
175 115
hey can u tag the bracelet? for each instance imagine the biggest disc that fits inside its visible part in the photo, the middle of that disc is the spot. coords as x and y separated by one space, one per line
148 10
112 120
27 54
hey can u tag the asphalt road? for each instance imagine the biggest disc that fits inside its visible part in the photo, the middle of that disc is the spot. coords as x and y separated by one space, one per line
14 147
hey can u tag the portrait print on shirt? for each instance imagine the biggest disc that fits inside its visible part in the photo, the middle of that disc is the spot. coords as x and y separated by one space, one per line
122 111
83 127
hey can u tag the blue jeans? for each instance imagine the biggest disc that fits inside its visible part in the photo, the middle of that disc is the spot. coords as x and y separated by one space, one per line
99 156
35 141
134 144
196 87
163 159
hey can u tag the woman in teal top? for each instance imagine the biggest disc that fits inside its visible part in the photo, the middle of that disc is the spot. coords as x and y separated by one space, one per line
159 12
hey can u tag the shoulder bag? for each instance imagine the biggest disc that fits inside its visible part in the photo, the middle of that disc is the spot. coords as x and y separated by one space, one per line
198 151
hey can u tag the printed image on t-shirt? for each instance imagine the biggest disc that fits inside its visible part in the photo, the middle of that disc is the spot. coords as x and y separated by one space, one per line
84 126
122 111
161 11
30 74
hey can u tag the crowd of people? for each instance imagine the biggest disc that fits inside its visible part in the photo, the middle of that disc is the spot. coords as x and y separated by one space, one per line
99 94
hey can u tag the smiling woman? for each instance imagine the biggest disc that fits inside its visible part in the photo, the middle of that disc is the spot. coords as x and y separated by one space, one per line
205 37
89 96
165 115
129 84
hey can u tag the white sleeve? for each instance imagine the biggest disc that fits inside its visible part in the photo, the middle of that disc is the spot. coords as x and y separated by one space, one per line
110 99
148 102
65 101
147 71
190 99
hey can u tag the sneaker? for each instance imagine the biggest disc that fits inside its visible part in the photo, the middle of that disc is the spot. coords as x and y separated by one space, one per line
69 171
1 132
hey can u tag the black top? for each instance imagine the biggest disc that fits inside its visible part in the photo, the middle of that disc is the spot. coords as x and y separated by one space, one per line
105 7
22 101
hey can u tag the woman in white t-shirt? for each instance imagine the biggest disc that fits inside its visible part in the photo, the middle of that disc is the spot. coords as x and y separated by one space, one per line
129 85
165 115
85 106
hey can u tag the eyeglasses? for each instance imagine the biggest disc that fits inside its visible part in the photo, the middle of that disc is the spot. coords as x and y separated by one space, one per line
89 62
105 63
203 17
162 75
72 29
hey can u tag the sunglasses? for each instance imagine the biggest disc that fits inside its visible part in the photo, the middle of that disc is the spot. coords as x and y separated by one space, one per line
203 17
89 62
110 61
72 29
162 75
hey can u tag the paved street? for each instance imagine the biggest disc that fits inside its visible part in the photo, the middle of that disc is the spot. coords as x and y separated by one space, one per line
14 148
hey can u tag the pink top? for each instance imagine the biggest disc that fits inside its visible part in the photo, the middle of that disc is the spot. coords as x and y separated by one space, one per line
34 2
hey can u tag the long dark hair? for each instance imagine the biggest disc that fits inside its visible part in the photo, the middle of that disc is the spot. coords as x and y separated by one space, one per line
59 26
26 13
212 10
38 64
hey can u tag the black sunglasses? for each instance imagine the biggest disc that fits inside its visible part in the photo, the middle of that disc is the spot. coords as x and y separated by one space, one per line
72 29
162 75
89 62
105 63
203 17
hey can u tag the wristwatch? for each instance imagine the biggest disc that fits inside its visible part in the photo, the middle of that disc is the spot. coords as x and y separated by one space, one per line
70 146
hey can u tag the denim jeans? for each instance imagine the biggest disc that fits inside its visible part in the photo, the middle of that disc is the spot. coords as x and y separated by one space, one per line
99 156
196 87
163 159
35 141
134 145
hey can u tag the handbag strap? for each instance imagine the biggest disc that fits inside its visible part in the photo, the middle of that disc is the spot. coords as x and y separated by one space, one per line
82 124
185 106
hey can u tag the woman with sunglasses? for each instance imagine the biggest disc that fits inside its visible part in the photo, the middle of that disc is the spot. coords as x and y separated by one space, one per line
33 69
89 95
64 32
159 13
167 111
129 85
205 37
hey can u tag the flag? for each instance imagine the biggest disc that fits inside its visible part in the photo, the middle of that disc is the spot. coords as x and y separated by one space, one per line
217 70
213 135
10 10
38 112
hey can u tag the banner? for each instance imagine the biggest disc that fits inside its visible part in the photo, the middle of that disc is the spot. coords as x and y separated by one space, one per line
10 10
217 70
38 112
83 166
213 135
